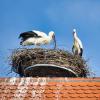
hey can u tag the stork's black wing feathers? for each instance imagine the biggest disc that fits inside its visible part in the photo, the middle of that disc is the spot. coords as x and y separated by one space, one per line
29 34
81 52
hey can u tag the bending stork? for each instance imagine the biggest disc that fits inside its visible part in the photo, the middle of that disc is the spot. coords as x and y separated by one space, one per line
37 38
77 48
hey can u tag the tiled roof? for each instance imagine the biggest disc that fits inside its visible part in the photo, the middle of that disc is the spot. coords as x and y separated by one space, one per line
49 88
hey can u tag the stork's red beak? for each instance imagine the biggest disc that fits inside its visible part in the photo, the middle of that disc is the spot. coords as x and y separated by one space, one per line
54 41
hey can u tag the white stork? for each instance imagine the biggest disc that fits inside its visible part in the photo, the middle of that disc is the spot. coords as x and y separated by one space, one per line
77 48
37 38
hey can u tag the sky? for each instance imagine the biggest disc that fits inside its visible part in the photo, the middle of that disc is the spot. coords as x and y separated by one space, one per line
60 16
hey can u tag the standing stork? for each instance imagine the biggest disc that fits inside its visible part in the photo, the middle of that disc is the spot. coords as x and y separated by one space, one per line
77 48
37 38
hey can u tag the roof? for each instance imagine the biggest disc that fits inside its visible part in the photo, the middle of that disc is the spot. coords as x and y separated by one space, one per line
49 88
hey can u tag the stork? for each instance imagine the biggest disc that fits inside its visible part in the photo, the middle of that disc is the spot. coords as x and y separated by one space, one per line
77 48
37 38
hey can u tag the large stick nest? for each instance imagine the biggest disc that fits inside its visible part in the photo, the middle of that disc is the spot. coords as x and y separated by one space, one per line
23 58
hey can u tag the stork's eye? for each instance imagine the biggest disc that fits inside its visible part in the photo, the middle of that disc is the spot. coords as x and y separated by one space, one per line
53 36
73 32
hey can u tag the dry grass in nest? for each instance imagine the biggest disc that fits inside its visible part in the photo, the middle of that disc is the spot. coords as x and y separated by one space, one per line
23 58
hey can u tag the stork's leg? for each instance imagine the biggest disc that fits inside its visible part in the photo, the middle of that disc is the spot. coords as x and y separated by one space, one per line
37 45
23 46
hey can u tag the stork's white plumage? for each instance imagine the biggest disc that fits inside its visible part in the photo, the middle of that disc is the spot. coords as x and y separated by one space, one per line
37 38
77 48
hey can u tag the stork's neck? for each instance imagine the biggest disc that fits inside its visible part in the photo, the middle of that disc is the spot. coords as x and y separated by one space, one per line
75 35
50 37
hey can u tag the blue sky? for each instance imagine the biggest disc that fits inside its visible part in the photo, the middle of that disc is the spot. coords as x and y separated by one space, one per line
61 16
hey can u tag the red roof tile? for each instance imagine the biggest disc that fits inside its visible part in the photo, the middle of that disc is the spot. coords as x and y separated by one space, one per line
49 88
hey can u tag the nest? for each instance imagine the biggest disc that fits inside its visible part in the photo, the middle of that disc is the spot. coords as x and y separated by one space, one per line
23 58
